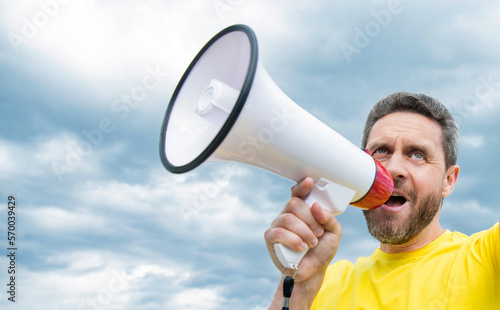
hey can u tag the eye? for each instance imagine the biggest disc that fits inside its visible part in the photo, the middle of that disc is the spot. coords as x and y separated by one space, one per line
418 156
380 151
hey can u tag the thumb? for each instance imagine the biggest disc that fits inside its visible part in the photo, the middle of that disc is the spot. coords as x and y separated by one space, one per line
302 188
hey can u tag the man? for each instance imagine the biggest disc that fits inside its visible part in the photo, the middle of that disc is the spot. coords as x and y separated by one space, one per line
419 265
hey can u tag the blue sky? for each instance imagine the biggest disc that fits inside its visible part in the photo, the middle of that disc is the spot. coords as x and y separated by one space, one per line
83 89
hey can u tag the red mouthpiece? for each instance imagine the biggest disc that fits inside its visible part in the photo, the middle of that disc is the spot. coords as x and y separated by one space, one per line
381 189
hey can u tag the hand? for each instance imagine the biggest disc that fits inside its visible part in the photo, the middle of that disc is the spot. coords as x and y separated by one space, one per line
299 226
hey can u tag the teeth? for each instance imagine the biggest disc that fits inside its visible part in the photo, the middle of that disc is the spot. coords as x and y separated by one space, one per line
396 195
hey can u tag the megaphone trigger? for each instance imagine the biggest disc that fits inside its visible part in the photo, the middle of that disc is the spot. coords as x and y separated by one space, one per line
330 195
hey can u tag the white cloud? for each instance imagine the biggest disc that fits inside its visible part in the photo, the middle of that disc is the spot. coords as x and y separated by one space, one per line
472 141
94 279
206 298
7 158
62 221
105 287
98 41
68 156
468 215
472 207
212 206
42 158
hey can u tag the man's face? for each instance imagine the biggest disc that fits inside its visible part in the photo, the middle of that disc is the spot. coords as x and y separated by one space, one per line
409 146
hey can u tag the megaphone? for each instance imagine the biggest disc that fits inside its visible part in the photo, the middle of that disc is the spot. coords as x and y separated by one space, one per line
226 107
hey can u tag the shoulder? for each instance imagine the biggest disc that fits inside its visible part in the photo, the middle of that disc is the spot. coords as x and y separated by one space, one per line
341 270
338 267
489 237
487 241
482 248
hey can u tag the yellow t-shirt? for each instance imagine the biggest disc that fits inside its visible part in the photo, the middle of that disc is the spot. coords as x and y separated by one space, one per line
453 272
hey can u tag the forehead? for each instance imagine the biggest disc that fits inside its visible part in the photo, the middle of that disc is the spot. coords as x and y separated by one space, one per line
407 128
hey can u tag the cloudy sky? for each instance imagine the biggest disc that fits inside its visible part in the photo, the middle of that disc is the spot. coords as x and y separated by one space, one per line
84 85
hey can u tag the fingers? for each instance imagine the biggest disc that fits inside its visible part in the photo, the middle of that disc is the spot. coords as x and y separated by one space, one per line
300 226
296 227
326 219
293 233
285 237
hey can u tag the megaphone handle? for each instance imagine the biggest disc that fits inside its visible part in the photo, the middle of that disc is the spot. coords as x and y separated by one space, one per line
332 197
288 258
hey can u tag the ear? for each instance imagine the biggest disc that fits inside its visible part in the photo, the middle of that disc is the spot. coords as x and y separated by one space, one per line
450 180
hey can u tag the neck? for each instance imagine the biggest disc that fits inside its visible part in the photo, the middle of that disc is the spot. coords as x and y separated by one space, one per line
426 236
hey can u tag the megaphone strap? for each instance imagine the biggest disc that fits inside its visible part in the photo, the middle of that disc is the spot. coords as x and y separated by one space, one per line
287 292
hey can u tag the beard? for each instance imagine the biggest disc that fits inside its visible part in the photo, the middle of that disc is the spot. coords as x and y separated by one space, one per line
385 227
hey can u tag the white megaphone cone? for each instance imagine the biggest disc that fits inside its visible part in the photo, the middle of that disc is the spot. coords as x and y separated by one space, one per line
227 108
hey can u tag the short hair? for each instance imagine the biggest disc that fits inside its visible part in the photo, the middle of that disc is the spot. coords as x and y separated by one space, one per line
423 105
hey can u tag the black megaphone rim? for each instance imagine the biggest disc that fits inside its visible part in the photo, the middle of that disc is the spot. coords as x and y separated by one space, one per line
233 116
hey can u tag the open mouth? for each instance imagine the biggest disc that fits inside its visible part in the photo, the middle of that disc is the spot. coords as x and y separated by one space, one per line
395 200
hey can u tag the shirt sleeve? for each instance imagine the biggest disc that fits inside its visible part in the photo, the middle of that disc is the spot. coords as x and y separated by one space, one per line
486 247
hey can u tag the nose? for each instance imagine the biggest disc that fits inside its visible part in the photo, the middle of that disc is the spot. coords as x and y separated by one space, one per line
397 167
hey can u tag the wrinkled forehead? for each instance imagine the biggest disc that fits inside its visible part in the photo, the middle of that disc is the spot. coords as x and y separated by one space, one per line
406 128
